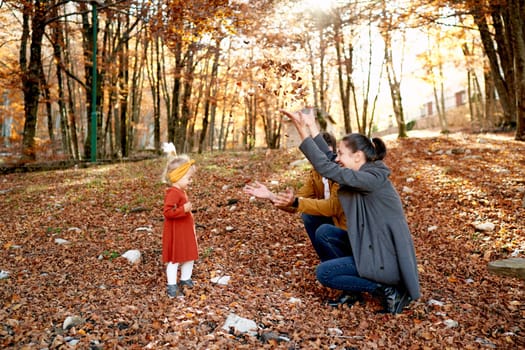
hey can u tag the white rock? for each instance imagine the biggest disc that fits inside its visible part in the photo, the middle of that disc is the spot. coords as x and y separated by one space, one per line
433 302
233 208
240 324
4 274
484 226
293 300
133 256
152 345
222 280
407 189
75 229
252 199
61 241
274 182
226 187
72 341
486 343
509 334
229 228
144 228
72 321
432 228
335 331
451 323
410 179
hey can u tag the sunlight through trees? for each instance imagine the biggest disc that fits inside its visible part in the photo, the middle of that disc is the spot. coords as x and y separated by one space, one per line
211 75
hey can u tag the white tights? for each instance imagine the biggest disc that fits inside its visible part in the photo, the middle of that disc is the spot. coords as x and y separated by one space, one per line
186 269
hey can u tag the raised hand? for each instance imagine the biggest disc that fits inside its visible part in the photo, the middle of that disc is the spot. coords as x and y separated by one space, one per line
298 122
258 190
308 117
284 199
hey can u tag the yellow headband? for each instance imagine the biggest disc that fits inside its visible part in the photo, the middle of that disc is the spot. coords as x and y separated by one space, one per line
177 174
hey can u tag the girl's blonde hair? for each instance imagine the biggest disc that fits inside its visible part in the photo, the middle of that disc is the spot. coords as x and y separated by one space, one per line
175 163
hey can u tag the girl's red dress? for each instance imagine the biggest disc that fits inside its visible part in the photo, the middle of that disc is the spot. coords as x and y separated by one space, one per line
179 242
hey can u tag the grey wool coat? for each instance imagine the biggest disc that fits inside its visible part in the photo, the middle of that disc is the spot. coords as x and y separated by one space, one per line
377 228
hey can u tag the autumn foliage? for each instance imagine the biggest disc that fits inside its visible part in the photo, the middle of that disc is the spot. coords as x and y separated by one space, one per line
447 183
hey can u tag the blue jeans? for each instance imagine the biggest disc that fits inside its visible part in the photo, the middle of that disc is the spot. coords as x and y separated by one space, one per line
341 274
337 269
332 242
311 224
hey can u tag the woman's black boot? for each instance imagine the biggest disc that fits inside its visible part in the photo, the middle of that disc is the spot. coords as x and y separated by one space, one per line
394 299
346 298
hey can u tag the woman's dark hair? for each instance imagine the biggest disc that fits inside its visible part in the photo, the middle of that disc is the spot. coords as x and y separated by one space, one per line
374 149
330 139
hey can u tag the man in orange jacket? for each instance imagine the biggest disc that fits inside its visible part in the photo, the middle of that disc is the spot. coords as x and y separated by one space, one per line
316 200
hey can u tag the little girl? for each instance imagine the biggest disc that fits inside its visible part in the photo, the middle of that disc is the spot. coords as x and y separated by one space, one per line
179 243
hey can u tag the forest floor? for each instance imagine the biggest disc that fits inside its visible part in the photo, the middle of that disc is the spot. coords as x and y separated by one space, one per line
62 234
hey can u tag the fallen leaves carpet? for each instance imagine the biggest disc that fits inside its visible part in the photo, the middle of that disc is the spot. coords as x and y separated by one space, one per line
62 234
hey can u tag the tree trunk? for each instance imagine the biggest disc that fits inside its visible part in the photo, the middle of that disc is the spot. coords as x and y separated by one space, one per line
502 83
157 95
58 44
88 47
475 99
174 134
443 115
186 103
123 96
137 85
196 102
395 90
31 73
490 98
344 87
214 94
71 96
395 93
47 101
223 127
394 79
516 11
208 98
153 70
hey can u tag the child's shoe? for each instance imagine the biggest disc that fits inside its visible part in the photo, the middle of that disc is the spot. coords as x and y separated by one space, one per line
186 283
174 291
